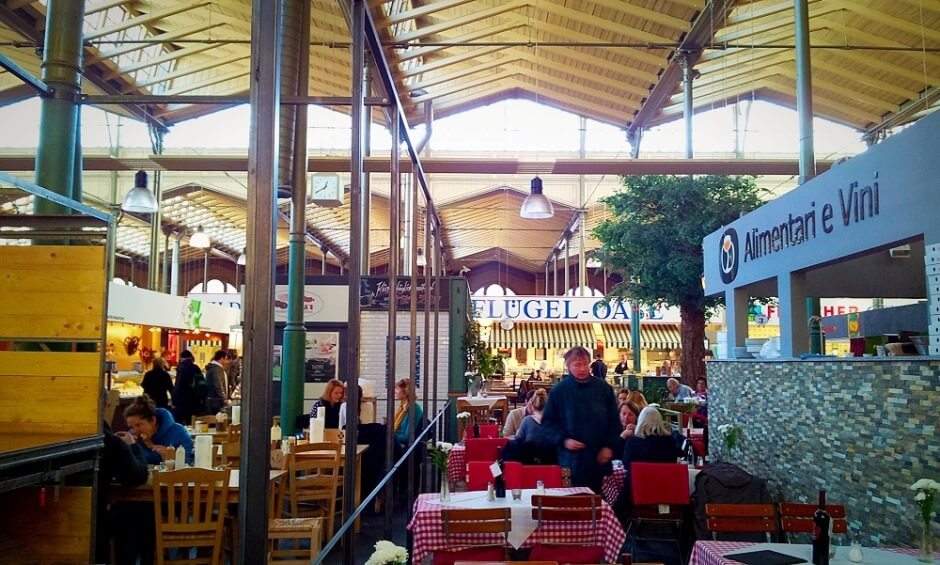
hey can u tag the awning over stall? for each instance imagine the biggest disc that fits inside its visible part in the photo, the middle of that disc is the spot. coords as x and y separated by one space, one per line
539 335
652 336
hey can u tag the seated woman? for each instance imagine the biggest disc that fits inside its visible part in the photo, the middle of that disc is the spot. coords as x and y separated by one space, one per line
402 426
330 402
622 396
652 442
156 431
629 414
531 446
637 398
700 414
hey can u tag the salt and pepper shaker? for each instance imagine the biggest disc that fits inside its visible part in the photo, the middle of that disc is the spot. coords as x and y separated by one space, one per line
540 487
490 492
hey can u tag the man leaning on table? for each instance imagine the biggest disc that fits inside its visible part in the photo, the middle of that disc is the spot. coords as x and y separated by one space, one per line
581 419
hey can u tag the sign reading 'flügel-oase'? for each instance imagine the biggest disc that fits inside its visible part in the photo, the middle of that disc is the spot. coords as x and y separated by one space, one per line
567 309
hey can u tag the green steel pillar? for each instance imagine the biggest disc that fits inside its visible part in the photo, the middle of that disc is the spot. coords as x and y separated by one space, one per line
295 335
813 311
58 126
635 334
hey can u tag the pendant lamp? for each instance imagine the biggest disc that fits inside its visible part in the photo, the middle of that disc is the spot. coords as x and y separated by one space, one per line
199 240
139 199
536 205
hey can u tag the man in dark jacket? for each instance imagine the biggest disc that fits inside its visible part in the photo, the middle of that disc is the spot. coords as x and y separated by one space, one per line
125 465
216 380
582 420
189 391
598 367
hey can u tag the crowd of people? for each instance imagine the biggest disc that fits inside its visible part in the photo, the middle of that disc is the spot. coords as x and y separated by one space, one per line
583 425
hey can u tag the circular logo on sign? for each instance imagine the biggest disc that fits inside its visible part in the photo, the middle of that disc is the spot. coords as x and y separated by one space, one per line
728 256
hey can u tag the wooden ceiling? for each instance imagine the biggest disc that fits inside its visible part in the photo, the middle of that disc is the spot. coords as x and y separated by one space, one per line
876 64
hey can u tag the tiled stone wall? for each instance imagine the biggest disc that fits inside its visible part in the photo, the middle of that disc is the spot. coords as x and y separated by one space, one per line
864 430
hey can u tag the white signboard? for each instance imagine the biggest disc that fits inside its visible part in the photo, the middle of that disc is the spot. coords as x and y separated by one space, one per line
139 306
583 309
322 303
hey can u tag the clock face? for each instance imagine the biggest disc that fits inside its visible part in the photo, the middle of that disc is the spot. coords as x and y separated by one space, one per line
325 186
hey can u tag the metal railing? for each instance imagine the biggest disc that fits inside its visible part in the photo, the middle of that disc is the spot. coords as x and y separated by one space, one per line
433 428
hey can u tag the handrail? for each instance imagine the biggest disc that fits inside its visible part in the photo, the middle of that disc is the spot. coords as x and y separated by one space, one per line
378 488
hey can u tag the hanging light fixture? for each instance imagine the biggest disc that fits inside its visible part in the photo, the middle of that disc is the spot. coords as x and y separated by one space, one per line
420 260
536 205
199 240
242 259
139 199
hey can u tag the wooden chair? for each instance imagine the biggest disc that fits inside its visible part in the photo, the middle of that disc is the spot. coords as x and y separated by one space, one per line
741 518
579 545
313 481
231 454
233 433
306 530
207 419
660 494
333 436
195 501
797 518
494 521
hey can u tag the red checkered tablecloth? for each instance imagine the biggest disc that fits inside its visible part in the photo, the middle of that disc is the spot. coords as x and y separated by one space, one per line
428 533
711 552
613 484
457 464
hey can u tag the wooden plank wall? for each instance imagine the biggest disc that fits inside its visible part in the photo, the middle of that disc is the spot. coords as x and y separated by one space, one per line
50 293
59 532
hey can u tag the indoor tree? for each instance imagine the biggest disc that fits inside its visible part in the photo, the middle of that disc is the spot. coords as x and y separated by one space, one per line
652 238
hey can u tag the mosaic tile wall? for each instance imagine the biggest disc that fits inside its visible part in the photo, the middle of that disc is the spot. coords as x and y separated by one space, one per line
863 430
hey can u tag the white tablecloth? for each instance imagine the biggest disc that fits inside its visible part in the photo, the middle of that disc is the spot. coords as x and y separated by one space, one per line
522 522
714 553
482 400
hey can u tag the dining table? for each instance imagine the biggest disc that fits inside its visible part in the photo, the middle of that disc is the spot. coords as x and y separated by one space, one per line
144 492
427 530
720 552
493 401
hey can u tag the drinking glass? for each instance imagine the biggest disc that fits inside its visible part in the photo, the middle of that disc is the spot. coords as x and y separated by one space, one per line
517 494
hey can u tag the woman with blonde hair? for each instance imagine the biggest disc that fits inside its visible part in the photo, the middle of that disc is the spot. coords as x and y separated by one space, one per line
330 402
404 394
652 440
637 398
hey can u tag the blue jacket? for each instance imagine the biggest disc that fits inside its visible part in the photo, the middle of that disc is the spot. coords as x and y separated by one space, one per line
401 434
169 434
585 411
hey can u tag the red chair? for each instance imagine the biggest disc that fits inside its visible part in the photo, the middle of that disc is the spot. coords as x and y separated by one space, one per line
480 475
487 449
493 523
526 476
489 431
660 497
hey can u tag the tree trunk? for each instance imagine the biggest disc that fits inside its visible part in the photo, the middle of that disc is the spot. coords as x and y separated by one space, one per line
693 343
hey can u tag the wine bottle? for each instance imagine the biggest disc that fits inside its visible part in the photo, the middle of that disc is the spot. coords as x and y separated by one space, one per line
476 430
821 522
500 482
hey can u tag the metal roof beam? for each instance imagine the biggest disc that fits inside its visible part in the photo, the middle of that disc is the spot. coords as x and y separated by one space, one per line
24 75
710 18
926 101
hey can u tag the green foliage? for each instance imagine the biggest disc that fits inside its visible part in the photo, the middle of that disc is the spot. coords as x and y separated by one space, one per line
473 346
653 236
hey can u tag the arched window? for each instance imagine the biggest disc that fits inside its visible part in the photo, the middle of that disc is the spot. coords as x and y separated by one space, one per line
214 286
494 290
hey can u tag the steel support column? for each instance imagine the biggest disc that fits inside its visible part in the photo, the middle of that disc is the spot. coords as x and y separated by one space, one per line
356 227
58 121
804 89
413 353
688 113
635 334
582 214
365 242
555 272
394 268
292 378
259 281
156 218
567 263
804 109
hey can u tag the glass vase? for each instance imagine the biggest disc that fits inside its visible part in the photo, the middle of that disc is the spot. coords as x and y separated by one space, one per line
926 545
445 487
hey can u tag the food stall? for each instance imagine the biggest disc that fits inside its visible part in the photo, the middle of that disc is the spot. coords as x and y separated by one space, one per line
864 428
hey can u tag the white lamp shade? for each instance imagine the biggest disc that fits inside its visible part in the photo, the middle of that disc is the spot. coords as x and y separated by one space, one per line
139 199
420 260
199 239
593 263
536 205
